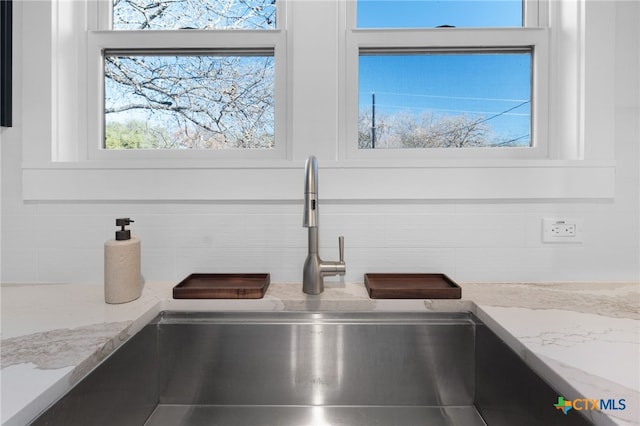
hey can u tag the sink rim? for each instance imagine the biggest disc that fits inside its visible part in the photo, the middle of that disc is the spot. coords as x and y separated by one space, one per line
170 316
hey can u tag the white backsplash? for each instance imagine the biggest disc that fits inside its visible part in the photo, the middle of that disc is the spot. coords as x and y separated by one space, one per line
471 242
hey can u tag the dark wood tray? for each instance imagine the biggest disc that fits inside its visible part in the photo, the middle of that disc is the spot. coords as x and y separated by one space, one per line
411 286
222 286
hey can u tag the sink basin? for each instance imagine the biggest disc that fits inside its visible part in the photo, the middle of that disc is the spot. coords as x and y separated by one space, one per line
285 368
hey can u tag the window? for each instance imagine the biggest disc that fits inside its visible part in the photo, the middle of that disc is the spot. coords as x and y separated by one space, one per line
185 14
448 74
199 100
185 75
322 59
444 100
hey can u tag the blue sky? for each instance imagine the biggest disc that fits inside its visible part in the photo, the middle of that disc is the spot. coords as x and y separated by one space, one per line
433 13
495 87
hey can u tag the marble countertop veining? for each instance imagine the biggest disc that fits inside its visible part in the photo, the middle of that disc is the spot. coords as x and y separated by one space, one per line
584 339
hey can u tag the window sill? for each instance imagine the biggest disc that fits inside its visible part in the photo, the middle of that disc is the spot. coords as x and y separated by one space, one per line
346 180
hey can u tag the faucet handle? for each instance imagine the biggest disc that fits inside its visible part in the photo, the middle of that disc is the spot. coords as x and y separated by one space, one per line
341 248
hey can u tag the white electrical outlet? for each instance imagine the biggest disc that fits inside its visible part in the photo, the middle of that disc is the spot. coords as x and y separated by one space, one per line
561 230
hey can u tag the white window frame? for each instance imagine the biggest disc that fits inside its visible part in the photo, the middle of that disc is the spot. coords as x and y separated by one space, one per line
103 38
56 164
534 35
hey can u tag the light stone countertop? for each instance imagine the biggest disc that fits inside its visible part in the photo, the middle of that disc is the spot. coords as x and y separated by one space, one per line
584 339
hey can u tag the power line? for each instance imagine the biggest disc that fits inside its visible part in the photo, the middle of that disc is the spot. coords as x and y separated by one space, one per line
503 112
469 126
510 140
406 107
496 115
452 97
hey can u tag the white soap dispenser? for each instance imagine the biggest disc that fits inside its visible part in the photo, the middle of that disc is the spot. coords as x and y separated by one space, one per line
122 279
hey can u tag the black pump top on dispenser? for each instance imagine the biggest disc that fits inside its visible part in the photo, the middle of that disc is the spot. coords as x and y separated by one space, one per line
123 234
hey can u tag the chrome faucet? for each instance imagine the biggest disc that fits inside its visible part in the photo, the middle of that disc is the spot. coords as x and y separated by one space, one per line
315 269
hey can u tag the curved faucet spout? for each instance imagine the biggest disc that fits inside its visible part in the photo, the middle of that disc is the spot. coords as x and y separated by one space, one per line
315 269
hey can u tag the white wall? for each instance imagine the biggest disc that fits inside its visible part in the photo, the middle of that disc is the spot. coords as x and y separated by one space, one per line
472 241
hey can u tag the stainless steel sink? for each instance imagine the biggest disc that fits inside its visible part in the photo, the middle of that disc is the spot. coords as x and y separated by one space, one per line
283 368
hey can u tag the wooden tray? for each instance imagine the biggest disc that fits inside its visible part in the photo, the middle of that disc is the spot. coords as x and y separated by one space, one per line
222 286
411 286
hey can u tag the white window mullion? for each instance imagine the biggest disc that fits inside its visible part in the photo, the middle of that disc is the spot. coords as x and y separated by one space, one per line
316 61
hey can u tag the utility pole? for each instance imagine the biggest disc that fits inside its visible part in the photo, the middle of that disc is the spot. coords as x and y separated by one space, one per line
373 120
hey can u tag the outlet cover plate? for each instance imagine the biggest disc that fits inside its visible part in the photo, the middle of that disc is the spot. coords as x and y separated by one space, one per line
562 230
